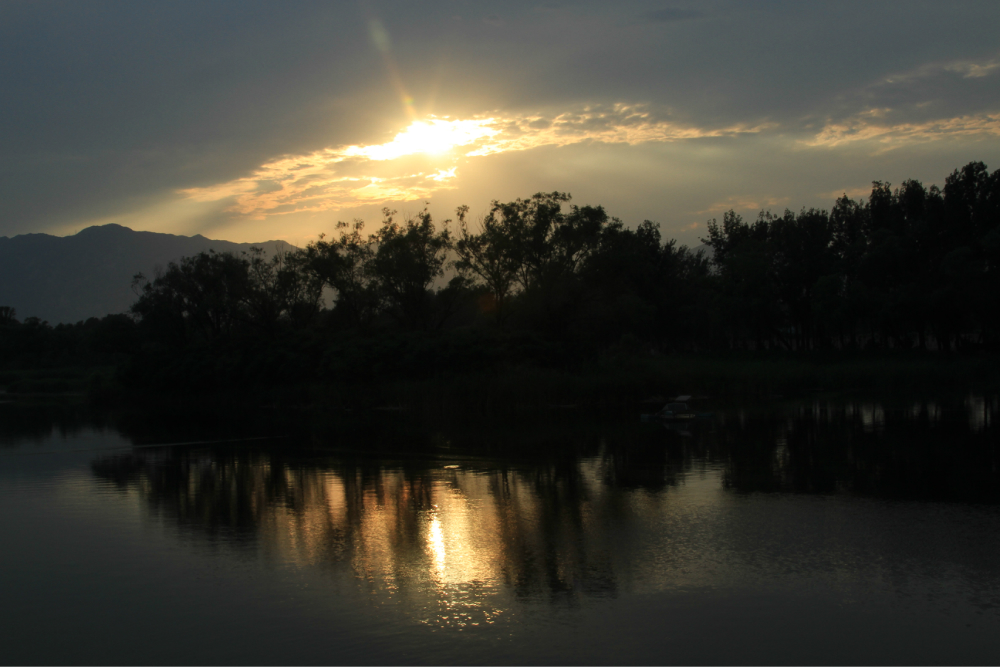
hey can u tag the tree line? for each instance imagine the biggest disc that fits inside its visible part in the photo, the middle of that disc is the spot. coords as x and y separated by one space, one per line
543 281
909 267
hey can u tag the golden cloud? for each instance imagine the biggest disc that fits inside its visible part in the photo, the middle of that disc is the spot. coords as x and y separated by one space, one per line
621 124
424 158
874 126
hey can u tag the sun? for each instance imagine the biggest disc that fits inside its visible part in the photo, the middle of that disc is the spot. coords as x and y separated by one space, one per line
434 136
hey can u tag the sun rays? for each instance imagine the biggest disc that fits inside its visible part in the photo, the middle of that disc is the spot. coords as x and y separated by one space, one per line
427 156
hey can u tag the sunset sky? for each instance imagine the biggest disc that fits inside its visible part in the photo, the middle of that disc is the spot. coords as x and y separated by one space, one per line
251 121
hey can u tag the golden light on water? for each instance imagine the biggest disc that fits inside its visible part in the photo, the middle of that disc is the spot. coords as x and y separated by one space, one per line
435 542
452 549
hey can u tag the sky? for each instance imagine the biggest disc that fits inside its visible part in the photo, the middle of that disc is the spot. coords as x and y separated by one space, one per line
251 121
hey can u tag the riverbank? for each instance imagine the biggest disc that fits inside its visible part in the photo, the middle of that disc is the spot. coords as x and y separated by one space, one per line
610 383
620 382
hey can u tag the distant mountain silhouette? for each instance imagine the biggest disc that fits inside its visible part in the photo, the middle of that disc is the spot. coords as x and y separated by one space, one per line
72 278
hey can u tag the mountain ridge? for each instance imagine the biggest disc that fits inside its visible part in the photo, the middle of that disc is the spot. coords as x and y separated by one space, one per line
66 279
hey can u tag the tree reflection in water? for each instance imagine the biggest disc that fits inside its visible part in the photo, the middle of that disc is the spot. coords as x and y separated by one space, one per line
916 451
560 517
27 422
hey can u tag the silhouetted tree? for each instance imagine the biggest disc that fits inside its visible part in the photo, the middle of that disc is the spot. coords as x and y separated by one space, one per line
543 281
489 258
345 265
408 259
7 316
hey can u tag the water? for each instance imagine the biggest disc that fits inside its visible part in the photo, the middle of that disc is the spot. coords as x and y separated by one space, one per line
836 530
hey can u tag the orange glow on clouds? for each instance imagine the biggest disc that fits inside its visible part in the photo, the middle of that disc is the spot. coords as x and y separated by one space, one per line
335 178
428 155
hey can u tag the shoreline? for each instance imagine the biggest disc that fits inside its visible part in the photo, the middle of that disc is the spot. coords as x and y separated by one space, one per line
611 382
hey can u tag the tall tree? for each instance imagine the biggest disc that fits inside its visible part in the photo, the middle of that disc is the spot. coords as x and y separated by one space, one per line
345 265
198 298
409 257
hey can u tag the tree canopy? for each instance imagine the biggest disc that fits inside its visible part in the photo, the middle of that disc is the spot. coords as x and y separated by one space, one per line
545 280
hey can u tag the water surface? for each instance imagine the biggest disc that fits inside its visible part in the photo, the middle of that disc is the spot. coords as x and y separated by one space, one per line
837 530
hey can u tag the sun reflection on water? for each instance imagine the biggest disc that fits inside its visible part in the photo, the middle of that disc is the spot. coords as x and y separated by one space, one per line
460 547
435 541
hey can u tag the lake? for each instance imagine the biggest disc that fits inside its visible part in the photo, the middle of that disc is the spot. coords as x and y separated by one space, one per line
822 529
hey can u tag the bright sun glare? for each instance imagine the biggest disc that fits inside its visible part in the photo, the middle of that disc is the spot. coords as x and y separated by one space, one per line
433 137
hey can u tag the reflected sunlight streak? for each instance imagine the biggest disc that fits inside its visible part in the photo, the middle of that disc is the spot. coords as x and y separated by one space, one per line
435 541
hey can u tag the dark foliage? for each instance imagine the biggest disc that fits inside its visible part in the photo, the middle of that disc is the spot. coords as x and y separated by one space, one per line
544 283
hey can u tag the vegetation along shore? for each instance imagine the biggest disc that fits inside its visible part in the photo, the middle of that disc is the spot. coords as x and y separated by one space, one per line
548 303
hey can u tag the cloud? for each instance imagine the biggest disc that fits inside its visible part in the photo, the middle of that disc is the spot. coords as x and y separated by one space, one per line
744 204
875 125
619 123
111 108
428 136
971 70
967 69
426 156
851 193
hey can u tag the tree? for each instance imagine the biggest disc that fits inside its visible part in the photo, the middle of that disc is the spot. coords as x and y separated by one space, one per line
279 287
492 257
531 247
744 263
529 225
389 271
802 255
212 295
7 316
408 258
345 265
198 298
